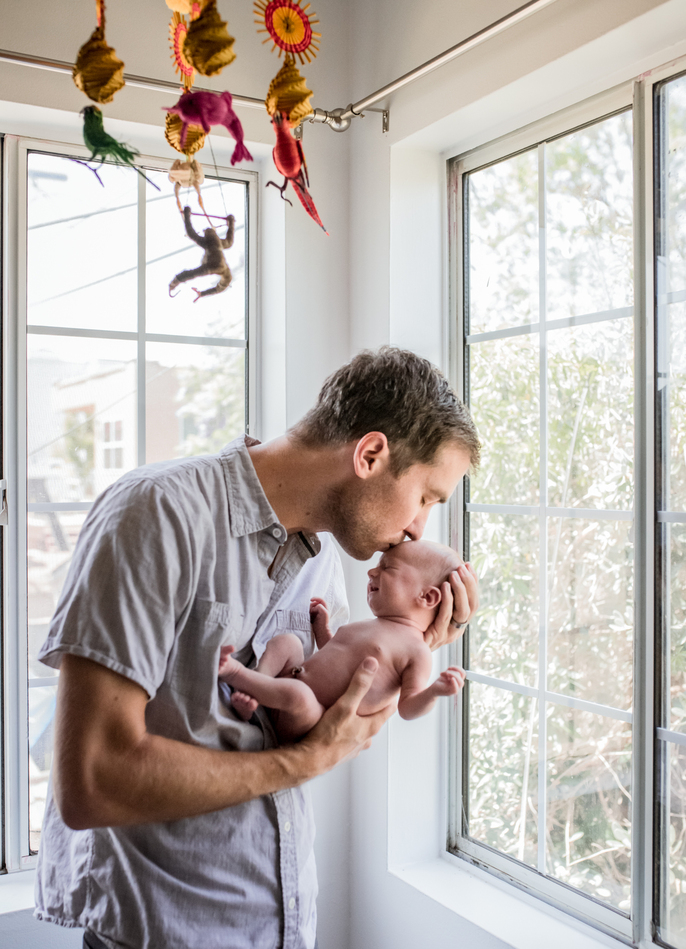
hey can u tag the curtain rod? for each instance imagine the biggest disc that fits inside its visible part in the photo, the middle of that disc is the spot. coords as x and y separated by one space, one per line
337 119
138 82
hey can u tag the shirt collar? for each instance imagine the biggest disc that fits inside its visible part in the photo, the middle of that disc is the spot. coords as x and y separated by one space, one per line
249 507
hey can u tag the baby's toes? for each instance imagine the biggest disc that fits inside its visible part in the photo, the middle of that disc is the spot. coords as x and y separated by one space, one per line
243 705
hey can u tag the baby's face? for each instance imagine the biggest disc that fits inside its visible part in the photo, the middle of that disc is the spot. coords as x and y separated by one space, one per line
397 581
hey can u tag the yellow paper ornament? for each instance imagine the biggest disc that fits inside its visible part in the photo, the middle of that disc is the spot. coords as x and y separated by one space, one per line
208 46
195 136
98 71
288 93
184 7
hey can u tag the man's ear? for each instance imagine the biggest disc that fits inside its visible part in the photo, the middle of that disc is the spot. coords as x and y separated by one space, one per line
371 455
430 598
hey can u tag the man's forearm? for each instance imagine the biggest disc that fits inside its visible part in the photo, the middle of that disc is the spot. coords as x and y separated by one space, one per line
164 780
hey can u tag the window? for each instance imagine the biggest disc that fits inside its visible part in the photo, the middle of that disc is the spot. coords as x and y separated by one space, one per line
575 521
113 373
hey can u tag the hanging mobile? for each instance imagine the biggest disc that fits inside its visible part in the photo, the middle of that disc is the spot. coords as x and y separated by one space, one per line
289 26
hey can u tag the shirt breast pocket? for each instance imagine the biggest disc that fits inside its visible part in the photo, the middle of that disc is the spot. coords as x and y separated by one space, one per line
194 661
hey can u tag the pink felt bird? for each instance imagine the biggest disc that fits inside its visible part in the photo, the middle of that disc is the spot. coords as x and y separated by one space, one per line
208 109
289 159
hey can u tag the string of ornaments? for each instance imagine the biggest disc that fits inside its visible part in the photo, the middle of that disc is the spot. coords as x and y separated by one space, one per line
201 45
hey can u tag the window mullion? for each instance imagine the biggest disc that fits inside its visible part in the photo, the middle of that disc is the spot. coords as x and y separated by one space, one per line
140 362
542 520
644 453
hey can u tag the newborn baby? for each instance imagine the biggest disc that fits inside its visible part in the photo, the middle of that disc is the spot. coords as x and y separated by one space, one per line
403 592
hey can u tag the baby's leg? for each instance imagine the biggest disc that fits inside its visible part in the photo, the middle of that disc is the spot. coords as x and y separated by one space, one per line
281 655
299 708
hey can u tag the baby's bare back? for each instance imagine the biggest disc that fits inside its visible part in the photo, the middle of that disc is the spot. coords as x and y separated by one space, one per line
395 645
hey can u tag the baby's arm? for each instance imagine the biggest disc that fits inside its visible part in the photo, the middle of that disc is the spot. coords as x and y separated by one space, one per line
319 617
415 698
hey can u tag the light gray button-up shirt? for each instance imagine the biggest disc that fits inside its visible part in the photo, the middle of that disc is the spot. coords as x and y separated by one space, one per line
171 564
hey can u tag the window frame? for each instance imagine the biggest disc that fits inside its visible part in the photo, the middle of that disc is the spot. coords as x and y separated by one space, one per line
639 927
14 800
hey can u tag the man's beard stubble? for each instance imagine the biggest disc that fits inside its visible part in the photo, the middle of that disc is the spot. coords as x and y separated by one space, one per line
355 522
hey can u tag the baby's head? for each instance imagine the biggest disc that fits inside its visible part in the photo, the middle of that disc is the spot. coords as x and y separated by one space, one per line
406 582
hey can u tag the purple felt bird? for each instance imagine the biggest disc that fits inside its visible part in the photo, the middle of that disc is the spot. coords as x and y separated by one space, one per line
207 109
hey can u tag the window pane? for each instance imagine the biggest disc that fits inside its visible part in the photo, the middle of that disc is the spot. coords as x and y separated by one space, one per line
591 610
51 539
504 400
554 409
673 812
75 387
503 767
589 803
503 244
82 247
590 416
503 636
195 399
671 487
170 251
589 196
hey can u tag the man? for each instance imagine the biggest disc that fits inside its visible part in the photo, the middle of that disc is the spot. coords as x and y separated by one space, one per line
171 821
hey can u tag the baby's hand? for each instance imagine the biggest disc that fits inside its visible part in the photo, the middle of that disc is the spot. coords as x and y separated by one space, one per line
225 661
449 682
319 617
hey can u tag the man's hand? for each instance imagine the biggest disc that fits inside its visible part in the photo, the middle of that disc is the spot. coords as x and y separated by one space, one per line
459 603
341 733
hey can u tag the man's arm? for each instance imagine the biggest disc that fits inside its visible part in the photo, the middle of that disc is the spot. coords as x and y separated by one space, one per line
110 771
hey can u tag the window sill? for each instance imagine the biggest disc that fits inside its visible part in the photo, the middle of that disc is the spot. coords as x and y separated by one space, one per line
16 891
521 921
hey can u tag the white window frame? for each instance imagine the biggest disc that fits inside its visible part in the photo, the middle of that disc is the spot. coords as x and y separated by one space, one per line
14 685
638 928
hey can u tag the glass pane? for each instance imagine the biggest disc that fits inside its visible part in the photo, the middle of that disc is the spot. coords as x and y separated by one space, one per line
673 174
503 636
504 400
673 836
589 204
672 385
589 803
503 769
590 416
590 622
75 387
82 244
170 251
195 399
41 729
503 244
675 633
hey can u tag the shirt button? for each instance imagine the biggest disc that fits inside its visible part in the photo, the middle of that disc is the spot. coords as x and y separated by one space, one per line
287 827
276 533
291 903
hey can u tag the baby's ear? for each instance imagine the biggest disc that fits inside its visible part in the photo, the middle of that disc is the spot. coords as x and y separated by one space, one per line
431 597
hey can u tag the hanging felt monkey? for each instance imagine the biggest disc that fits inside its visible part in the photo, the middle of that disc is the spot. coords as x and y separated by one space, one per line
213 260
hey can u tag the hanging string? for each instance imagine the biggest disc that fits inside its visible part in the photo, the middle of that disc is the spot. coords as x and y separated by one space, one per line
216 171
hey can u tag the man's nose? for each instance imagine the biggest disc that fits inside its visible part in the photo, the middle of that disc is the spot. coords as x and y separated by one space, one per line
415 530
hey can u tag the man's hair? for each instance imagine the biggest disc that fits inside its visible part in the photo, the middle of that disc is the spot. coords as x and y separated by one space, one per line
396 392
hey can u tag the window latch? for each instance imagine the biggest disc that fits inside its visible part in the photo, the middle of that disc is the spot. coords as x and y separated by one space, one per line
3 500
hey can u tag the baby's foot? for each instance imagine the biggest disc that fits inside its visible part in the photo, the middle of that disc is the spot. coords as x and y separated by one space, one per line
243 705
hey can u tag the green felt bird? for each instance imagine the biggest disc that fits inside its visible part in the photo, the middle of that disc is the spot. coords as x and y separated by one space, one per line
103 147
